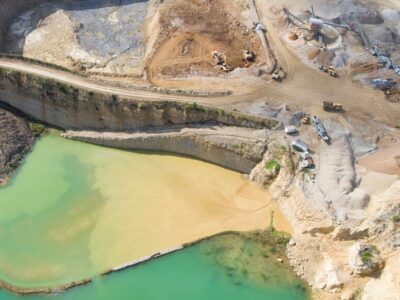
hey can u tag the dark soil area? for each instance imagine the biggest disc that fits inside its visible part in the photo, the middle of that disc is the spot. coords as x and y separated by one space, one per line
16 138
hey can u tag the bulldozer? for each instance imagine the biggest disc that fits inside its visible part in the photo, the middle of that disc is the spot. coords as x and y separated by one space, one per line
332 106
329 69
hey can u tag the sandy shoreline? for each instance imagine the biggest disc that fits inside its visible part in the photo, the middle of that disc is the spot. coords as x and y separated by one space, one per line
118 215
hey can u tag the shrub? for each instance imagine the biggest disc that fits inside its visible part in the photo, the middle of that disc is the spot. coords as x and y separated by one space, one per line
273 166
367 253
37 129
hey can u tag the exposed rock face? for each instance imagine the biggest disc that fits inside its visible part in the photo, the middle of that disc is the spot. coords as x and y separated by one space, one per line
15 139
364 259
387 286
344 228
384 219
236 148
275 160
70 107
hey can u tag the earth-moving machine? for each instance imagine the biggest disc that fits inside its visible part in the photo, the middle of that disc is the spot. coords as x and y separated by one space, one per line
306 119
329 69
320 129
218 57
220 60
332 106
278 74
248 55
226 68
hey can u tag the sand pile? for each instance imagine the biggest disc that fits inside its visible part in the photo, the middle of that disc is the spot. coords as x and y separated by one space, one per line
313 53
293 36
335 187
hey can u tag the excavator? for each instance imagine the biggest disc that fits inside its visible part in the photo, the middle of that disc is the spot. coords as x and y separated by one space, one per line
248 55
218 57
220 60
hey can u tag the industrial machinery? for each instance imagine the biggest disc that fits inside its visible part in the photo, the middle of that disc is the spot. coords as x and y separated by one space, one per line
248 55
220 60
218 57
278 74
329 69
320 129
306 119
314 22
332 106
315 27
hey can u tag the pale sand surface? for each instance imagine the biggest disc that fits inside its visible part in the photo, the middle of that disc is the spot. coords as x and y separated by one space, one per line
174 201
374 183
383 161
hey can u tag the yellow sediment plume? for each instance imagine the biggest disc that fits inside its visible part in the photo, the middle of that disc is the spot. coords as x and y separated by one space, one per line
172 207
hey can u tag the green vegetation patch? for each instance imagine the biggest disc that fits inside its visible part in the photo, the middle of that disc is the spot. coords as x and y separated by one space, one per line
37 129
367 253
273 166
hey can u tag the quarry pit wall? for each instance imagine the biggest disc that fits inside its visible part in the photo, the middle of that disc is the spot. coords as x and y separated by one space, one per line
69 107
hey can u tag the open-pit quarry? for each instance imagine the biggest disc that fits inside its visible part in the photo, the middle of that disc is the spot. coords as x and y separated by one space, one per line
149 126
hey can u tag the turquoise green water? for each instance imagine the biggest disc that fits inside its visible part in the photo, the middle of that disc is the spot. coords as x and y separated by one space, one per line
210 270
73 210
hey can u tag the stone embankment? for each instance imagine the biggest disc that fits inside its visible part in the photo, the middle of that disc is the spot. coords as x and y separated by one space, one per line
236 148
44 290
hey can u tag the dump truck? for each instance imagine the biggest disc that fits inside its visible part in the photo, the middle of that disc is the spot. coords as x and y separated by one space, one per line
329 69
332 106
